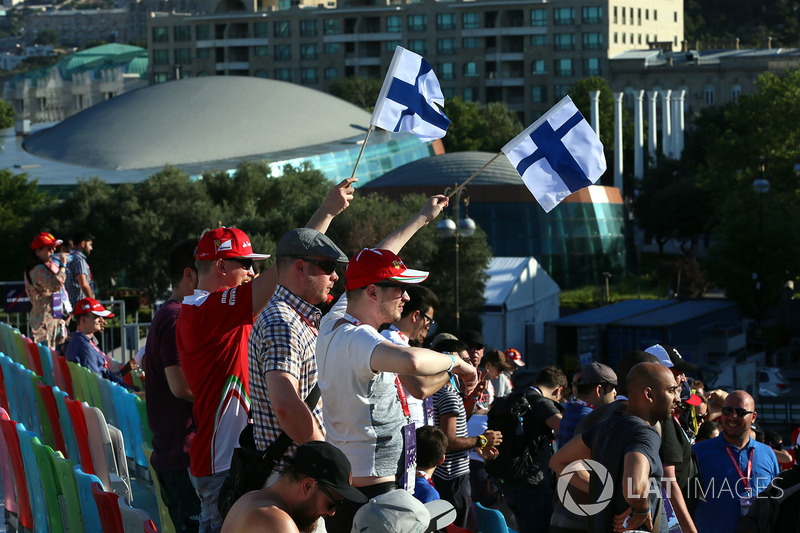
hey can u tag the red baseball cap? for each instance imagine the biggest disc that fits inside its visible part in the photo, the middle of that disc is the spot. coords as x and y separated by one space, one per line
512 354
372 265
225 243
90 305
45 239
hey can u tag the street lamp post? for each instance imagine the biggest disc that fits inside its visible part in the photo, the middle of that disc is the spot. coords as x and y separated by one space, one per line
464 228
761 187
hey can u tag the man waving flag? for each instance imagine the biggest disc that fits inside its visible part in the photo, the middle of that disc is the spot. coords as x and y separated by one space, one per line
557 155
410 98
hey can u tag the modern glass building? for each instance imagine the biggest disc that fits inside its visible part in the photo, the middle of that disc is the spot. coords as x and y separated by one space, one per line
575 243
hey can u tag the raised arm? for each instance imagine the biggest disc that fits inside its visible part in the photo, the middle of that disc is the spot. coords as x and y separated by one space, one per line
337 201
403 234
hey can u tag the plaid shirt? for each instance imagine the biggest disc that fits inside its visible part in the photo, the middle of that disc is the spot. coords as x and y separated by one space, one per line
284 339
76 264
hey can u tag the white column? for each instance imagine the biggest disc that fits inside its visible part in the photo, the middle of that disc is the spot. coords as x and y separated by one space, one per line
618 140
666 123
594 96
638 135
678 125
674 152
652 139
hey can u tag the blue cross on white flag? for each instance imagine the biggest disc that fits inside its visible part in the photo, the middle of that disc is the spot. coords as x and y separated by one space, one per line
557 155
409 97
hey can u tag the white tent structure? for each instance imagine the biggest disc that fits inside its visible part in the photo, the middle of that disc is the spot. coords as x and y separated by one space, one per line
520 298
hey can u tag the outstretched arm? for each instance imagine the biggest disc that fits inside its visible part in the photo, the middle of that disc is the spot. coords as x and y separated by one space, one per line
403 234
337 201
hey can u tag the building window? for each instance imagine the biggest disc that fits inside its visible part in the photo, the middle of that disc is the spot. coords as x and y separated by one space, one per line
394 24
539 94
445 21
161 57
283 52
538 40
449 92
282 28
655 14
331 26
563 67
308 51
160 35
202 32
417 22
646 14
331 73
159 77
675 18
563 16
561 91
615 14
260 30
592 41
708 95
470 42
592 15
538 17
308 28
470 94
538 67
564 41
182 33
183 56
447 71
392 45
283 74
308 75
591 66
284 5
639 39
639 16
446 46
261 51
331 48
615 38
419 46
469 21
261 73
471 70
624 35
203 53
736 91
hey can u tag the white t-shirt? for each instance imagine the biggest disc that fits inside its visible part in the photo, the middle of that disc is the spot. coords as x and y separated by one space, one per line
415 405
363 415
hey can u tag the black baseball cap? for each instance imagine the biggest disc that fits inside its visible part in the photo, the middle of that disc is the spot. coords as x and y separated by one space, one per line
472 338
670 357
327 464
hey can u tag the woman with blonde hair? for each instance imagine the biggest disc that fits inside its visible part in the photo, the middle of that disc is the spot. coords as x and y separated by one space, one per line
45 274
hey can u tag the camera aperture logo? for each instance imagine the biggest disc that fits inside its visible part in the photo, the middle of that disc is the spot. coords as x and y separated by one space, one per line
585 509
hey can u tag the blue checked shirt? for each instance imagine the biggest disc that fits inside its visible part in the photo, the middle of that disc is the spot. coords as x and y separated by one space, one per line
76 264
284 339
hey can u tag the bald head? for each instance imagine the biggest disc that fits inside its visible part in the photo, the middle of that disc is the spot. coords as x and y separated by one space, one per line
652 392
628 361
644 375
740 398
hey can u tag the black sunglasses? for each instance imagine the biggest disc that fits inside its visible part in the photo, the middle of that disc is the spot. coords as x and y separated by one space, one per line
327 267
740 412
333 502
247 264
389 285
429 319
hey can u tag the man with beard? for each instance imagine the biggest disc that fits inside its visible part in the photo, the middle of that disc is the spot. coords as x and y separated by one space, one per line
626 444
311 486
363 376
79 283
734 467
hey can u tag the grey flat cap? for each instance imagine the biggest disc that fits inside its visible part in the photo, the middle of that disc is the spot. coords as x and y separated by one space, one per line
307 242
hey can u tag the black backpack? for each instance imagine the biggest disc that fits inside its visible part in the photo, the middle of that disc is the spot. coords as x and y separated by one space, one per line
522 439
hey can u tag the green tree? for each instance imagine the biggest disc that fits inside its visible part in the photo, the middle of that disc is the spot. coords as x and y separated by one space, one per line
19 198
7 114
474 126
359 91
47 37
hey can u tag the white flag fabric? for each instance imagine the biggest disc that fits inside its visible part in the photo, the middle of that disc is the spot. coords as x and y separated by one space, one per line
557 155
408 98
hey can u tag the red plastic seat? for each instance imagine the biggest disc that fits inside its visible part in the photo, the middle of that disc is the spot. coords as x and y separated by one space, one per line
81 434
3 395
108 509
149 527
9 492
52 413
34 359
9 429
63 377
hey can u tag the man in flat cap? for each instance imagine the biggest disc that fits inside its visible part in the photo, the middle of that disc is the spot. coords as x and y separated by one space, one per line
283 368
595 386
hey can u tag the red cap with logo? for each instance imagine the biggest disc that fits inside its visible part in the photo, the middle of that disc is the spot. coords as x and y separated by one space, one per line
45 239
513 355
225 243
373 265
90 305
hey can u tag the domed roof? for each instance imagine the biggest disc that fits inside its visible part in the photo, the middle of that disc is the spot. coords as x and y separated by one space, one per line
447 169
197 120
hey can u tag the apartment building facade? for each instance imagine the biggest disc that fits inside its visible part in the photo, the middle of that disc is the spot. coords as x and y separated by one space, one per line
525 54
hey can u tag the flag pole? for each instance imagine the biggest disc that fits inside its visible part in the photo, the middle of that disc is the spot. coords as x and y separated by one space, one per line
455 191
363 145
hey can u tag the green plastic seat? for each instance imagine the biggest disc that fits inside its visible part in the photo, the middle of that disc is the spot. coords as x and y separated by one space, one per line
95 398
52 488
44 416
166 521
77 381
147 435
71 503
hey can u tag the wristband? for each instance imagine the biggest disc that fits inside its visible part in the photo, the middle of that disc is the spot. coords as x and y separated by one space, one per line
646 511
452 363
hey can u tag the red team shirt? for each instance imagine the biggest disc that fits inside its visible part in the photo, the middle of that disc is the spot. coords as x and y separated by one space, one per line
212 334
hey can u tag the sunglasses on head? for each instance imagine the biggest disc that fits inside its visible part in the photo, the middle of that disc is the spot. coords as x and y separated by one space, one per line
326 266
740 412
333 502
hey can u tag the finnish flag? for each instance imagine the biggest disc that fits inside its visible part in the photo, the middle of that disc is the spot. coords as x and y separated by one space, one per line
557 155
410 97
